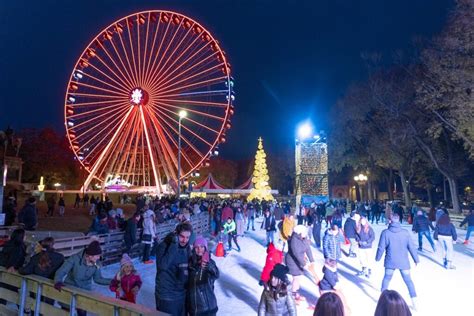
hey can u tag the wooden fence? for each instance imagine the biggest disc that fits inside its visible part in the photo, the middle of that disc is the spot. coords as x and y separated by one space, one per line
112 243
31 289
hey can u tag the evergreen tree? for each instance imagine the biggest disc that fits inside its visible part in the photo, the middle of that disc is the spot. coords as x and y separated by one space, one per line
261 189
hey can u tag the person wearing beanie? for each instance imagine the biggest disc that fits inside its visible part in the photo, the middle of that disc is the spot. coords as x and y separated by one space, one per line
275 299
80 269
126 282
203 272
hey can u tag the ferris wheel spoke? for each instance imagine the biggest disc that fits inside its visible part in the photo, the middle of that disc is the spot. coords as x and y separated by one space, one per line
93 119
127 59
127 150
156 173
140 74
176 132
157 53
104 152
142 70
197 94
119 85
135 140
89 104
185 127
124 78
179 108
193 86
168 77
197 76
146 69
137 75
101 89
80 94
197 103
99 109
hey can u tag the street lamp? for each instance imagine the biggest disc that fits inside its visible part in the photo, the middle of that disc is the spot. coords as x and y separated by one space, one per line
361 179
182 114
304 131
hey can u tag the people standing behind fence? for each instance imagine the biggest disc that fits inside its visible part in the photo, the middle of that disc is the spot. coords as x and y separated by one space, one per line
172 260
99 225
46 262
391 303
275 299
469 220
126 283
13 253
365 238
148 235
445 233
422 225
203 272
28 216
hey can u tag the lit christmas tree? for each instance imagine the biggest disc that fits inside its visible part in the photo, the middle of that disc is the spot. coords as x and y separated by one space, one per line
261 189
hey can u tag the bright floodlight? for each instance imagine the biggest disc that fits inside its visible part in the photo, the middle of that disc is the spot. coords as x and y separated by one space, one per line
182 114
305 131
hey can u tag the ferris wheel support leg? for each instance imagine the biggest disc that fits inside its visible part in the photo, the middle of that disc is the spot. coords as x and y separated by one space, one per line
104 152
152 157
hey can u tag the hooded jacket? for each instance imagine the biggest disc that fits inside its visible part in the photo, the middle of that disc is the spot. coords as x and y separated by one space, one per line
295 258
330 278
282 306
332 245
396 243
76 272
274 256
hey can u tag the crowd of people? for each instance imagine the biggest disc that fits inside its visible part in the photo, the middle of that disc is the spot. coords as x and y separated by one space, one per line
185 271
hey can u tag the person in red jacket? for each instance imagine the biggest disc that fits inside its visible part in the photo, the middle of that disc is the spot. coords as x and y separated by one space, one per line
274 256
226 213
126 282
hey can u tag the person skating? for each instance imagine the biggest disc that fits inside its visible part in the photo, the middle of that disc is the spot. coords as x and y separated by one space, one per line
317 220
203 272
274 257
130 234
469 220
269 224
396 243
445 233
350 231
332 243
295 259
287 228
365 238
250 216
172 261
422 225
149 234
329 282
231 232
275 299
126 282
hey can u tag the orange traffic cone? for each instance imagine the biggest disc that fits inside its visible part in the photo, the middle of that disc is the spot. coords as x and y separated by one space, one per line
220 250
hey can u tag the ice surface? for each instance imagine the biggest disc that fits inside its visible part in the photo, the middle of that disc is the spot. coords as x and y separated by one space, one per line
440 291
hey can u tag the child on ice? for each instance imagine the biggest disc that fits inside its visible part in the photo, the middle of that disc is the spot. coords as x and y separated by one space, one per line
126 282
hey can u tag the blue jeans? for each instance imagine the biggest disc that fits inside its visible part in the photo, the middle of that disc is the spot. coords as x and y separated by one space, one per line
270 236
406 278
470 229
250 220
427 234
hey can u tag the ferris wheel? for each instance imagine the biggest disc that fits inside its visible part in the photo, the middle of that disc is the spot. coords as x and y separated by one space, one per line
126 92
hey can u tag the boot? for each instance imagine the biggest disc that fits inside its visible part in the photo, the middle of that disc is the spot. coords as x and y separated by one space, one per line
466 242
451 266
445 263
414 303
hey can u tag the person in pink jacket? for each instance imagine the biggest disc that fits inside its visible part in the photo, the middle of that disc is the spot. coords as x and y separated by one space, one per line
126 282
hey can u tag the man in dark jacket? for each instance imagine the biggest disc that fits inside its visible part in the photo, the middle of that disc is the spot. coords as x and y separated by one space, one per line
269 224
422 225
130 234
28 215
396 243
172 257
350 231
469 219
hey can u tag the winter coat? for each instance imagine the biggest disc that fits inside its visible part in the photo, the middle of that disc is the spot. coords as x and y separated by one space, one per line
171 269
28 217
200 295
126 284
130 235
282 306
269 223
295 258
469 219
226 213
332 245
350 228
365 239
76 272
12 255
33 266
274 256
445 230
251 212
230 228
288 225
396 243
329 280
98 227
421 224
149 227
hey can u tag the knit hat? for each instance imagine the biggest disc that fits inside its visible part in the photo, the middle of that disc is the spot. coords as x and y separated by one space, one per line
200 241
93 249
280 271
125 260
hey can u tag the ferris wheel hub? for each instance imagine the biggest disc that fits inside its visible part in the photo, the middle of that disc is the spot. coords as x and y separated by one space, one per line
138 96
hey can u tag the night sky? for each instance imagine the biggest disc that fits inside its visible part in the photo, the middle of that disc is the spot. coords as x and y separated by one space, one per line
291 59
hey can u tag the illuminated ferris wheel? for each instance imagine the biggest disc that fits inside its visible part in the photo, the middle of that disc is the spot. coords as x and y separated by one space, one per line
127 89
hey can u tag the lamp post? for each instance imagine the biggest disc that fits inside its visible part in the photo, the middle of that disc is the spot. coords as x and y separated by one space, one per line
361 179
182 114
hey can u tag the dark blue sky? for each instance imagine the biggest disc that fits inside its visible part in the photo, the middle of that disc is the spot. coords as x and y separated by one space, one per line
291 59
